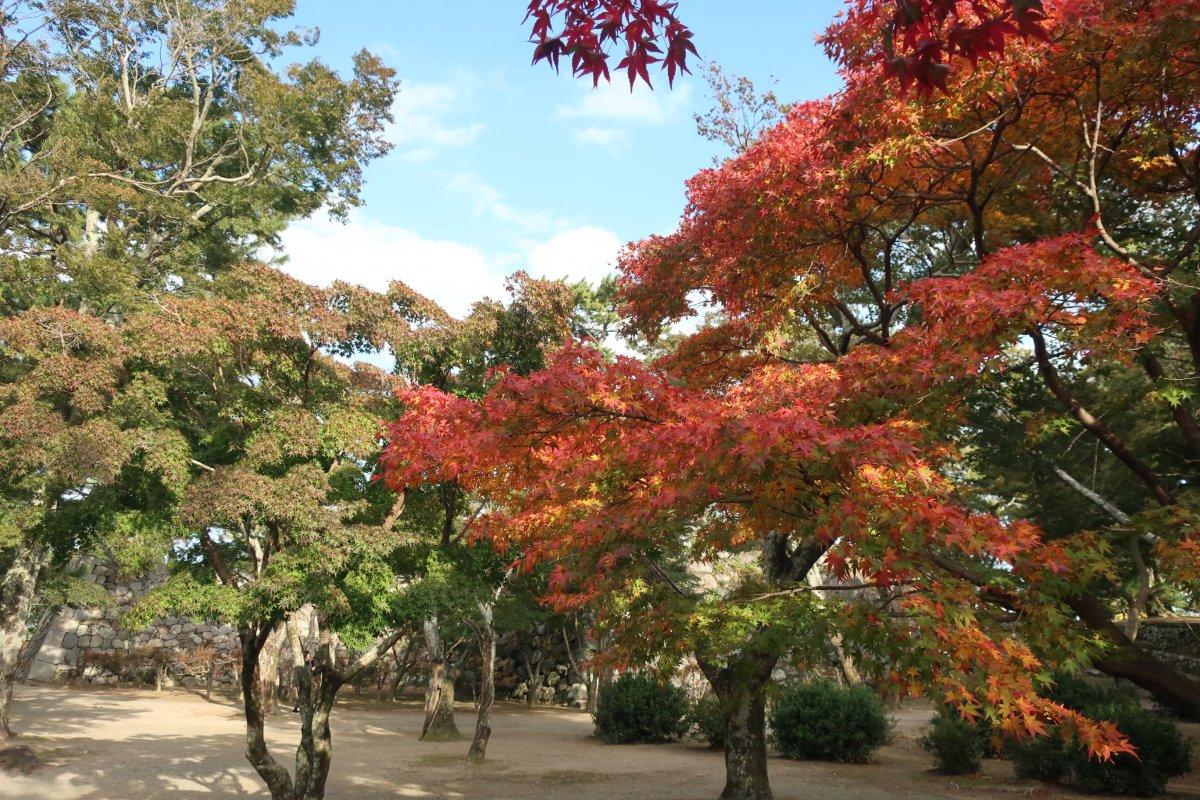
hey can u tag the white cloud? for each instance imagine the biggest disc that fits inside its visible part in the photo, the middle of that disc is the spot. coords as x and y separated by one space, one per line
587 253
371 254
614 102
453 274
428 118
611 138
488 200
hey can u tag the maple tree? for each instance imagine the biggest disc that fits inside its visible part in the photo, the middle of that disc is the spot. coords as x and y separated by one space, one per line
918 41
276 510
464 583
588 29
66 432
868 280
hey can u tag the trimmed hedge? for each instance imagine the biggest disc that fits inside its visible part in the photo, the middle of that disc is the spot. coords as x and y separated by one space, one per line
640 708
957 746
1162 751
823 722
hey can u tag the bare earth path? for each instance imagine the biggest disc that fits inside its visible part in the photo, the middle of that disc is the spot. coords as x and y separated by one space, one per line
136 745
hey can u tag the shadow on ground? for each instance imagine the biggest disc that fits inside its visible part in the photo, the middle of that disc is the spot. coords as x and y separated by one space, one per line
108 744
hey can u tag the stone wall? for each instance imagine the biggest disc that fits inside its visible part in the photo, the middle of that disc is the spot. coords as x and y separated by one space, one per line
1175 640
88 645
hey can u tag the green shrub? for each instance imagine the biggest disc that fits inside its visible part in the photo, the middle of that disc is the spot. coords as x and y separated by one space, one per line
1162 753
706 722
823 722
957 745
1080 694
639 708
1043 758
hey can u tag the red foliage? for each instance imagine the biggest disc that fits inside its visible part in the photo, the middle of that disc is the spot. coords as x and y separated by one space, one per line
916 41
817 403
593 464
590 28
913 40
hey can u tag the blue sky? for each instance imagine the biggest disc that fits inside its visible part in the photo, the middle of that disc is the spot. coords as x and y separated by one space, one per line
500 166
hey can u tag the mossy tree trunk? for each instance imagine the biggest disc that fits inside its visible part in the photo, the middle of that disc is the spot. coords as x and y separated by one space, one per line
317 680
16 601
741 687
439 725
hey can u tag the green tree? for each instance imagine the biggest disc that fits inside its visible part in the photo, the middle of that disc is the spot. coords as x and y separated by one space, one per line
514 336
279 508
150 144
145 148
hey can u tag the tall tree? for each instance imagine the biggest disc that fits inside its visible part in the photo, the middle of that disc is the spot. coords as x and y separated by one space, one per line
145 148
496 336
279 509
147 145
67 429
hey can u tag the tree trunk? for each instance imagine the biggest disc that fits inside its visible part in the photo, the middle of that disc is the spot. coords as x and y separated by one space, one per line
317 683
1125 659
268 668
533 678
741 688
487 687
401 666
439 694
849 669
598 678
279 782
16 600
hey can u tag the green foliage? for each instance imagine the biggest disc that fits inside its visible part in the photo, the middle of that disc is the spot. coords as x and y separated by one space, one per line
139 541
183 595
956 744
824 722
1042 758
63 587
1162 753
641 708
595 309
1076 692
707 722
440 588
100 123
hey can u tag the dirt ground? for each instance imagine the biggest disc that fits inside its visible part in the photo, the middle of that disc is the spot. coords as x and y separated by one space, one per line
134 745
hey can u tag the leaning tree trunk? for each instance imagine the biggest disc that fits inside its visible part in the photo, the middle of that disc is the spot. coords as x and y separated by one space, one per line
1126 659
849 669
402 667
487 688
439 694
16 600
741 688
